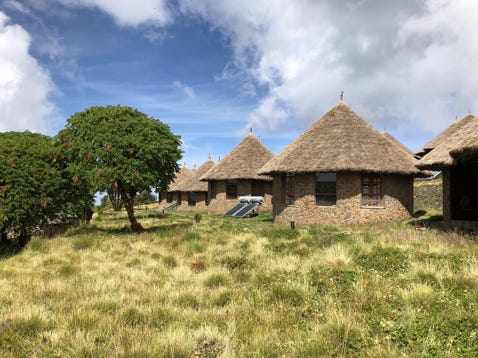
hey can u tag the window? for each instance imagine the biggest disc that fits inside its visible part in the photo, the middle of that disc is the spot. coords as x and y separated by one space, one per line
231 189
212 186
372 194
169 197
257 188
289 189
192 198
325 189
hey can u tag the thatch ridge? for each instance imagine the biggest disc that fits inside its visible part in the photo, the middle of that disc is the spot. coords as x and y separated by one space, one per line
446 133
450 150
242 162
342 141
192 181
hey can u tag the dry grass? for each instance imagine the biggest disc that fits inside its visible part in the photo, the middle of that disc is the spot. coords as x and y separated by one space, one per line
225 287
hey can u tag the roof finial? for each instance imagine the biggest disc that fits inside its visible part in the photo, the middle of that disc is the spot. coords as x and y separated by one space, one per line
385 130
341 97
469 111
209 156
250 131
185 165
456 117
218 158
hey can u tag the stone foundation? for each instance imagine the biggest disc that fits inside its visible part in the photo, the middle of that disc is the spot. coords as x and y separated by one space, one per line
397 201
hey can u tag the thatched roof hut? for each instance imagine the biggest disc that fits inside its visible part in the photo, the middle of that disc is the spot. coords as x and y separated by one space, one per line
341 141
192 182
456 148
242 162
445 134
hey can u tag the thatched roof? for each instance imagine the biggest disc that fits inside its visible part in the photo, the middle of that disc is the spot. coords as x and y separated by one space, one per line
179 177
191 182
447 133
342 141
242 162
456 149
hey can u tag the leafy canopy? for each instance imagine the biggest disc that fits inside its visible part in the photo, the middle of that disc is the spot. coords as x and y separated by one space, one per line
120 148
33 189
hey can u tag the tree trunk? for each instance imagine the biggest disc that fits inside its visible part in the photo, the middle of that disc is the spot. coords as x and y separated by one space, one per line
23 238
128 201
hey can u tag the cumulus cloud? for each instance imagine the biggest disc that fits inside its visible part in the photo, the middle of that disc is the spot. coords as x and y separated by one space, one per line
187 90
127 12
24 85
399 63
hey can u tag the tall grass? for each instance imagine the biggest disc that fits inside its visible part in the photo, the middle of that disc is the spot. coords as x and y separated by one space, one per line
219 287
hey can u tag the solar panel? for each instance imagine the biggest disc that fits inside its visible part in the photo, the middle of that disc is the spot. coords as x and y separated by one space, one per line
235 209
245 210
172 206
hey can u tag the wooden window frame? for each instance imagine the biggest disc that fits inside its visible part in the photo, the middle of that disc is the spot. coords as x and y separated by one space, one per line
230 183
325 194
289 189
257 188
373 179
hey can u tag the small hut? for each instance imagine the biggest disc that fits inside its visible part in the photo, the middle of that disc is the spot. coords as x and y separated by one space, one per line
191 192
171 195
342 171
236 175
456 155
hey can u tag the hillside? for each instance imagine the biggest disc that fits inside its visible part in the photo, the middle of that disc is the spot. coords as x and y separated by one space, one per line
240 287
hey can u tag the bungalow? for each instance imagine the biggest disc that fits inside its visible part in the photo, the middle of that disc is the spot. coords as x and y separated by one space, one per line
171 195
236 175
191 192
455 153
342 171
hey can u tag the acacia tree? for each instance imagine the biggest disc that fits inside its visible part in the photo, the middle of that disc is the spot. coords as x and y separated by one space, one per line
120 147
34 189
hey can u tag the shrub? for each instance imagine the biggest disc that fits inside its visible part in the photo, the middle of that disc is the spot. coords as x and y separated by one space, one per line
170 261
197 217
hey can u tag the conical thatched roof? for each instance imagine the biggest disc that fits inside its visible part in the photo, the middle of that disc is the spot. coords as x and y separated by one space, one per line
242 162
182 174
342 141
191 182
456 149
447 133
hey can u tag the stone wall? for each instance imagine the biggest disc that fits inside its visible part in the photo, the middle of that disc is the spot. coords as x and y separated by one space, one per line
398 201
427 195
446 194
220 204
201 204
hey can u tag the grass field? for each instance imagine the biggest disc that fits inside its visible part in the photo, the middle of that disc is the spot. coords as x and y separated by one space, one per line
209 286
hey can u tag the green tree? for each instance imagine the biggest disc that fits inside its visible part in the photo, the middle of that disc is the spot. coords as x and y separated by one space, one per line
34 189
120 147
145 197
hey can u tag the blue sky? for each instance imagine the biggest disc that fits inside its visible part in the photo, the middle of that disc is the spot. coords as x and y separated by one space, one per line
212 69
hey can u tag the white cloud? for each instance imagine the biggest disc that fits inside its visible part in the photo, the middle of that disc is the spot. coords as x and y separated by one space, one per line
403 64
24 84
128 12
187 90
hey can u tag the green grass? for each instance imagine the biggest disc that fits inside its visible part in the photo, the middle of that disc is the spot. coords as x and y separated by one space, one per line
210 286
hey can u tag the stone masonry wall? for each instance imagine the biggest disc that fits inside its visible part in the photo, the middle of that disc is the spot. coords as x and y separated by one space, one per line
428 195
220 204
446 194
398 201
